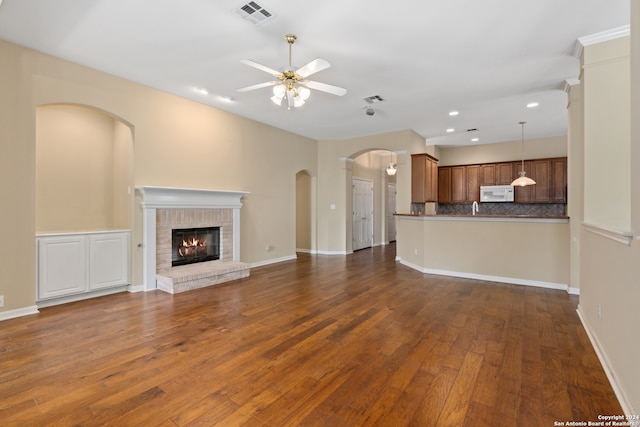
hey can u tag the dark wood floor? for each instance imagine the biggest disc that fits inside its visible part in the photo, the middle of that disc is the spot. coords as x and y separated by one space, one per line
321 341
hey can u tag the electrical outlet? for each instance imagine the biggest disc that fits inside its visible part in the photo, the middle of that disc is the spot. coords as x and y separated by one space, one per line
268 248
1 300
599 311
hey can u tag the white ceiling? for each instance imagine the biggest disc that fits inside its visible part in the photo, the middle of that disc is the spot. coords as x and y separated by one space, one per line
486 59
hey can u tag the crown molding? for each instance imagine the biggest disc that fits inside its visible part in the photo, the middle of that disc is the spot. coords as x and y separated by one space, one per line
612 34
569 83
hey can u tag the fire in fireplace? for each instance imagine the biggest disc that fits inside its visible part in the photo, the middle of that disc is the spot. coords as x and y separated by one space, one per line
193 245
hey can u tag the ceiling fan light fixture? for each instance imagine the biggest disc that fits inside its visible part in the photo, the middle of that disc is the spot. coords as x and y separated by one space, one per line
279 91
292 83
303 93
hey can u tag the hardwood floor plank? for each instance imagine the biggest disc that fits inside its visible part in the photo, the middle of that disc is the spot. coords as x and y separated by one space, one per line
320 340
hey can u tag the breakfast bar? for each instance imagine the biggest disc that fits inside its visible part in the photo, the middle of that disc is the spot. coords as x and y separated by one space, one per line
518 249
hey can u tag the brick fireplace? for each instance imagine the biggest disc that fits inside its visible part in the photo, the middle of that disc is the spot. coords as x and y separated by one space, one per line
166 209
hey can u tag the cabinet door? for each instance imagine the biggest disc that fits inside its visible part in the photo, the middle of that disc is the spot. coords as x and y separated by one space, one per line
473 183
109 260
559 182
62 266
444 185
458 184
504 173
541 174
418 167
487 175
523 194
434 181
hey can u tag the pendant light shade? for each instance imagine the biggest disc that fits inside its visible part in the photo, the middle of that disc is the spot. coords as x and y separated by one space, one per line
392 168
522 180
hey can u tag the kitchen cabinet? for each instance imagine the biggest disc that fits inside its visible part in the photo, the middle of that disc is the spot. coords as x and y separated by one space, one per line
424 178
444 185
80 265
461 184
474 180
505 172
523 194
487 175
559 180
458 184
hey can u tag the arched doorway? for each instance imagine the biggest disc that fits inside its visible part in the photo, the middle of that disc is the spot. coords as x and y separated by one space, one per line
370 166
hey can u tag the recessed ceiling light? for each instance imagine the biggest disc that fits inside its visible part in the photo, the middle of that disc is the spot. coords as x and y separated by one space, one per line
454 113
226 99
203 90
450 130
532 105
475 139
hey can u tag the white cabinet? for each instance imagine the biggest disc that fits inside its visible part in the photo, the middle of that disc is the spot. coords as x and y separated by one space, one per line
81 265
62 266
108 260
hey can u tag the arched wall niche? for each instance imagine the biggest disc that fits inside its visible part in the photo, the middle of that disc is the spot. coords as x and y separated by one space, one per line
305 208
84 169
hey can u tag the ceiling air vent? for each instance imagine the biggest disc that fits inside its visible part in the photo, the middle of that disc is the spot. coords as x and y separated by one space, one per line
373 99
254 13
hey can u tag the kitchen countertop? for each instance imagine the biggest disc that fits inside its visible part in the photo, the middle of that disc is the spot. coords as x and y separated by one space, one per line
486 218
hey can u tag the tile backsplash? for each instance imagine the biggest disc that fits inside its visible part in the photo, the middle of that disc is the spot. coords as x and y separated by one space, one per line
535 209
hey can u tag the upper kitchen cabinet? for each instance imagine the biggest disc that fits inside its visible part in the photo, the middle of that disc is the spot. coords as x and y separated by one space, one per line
550 176
444 185
424 178
504 173
461 184
559 180
487 175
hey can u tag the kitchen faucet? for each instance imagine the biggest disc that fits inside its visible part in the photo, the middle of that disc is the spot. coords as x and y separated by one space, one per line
474 208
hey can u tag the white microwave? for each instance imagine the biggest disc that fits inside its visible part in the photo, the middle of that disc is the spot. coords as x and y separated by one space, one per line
496 193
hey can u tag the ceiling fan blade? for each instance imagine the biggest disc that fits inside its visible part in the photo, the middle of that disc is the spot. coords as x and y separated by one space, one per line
261 67
335 90
313 67
258 86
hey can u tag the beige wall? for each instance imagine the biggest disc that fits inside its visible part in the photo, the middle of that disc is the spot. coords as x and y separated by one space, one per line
503 151
334 182
575 172
606 83
177 143
609 273
536 253
17 181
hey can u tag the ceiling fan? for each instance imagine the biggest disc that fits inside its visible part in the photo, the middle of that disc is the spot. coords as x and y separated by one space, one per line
291 83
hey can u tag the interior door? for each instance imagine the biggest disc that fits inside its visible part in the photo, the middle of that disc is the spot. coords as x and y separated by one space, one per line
362 214
391 209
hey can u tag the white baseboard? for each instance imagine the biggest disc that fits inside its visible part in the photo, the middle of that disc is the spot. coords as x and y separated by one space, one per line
18 312
136 288
80 297
627 408
499 279
273 261
306 251
334 252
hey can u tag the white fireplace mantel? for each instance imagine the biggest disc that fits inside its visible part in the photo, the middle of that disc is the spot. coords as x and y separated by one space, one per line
186 198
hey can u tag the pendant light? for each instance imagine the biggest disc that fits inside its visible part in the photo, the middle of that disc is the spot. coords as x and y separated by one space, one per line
523 180
391 169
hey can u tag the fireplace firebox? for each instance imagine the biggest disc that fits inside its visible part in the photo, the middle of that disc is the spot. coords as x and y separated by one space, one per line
191 245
